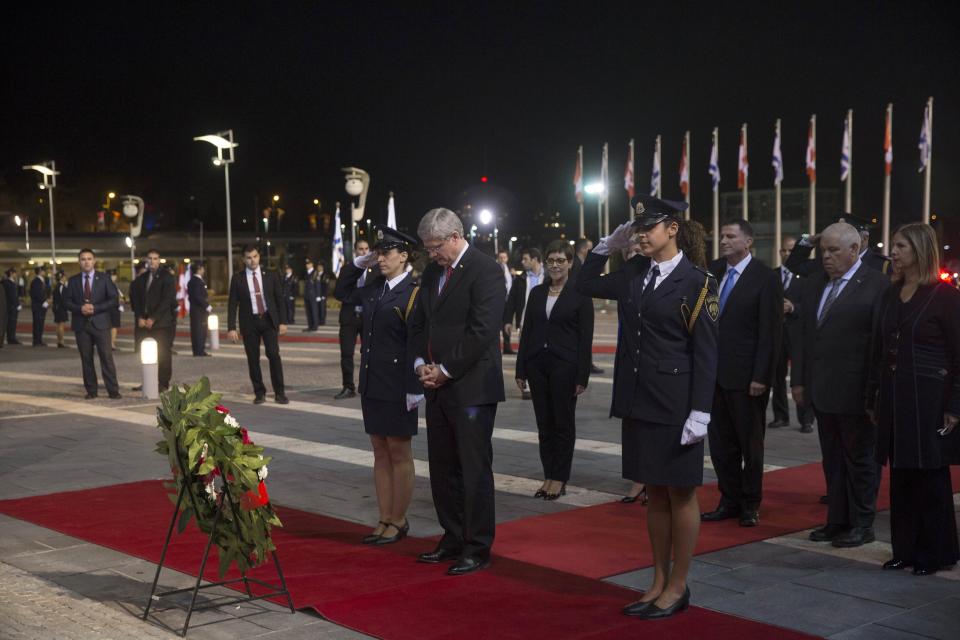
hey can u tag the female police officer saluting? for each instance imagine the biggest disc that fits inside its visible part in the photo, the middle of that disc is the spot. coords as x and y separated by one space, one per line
664 378
389 389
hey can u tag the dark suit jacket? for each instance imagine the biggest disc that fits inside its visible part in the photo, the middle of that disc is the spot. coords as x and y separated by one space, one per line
750 326
661 371
386 373
135 294
460 327
834 362
3 314
290 287
240 298
38 291
348 312
10 288
513 310
157 301
197 294
567 333
104 297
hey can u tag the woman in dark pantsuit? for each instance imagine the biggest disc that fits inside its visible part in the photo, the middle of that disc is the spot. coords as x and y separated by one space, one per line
390 391
914 398
554 357
61 316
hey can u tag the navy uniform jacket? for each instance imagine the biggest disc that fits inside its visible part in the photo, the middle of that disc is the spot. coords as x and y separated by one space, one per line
38 292
661 371
386 371
104 297
197 293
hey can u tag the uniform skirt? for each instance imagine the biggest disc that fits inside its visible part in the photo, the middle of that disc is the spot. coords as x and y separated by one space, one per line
652 454
388 417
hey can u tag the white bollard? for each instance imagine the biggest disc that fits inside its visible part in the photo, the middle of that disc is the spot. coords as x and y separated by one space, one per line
213 331
150 369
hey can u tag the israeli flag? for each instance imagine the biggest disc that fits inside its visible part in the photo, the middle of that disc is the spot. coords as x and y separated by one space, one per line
845 152
925 146
714 166
777 161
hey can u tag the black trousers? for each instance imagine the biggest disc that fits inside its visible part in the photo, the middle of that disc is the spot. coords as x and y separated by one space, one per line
923 522
507 347
12 314
87 339
322 311
779 390
736 434
848 444
164 356
198 331
460 452
39 318
262 330
291 311
138 333
348 345
312 310
552 384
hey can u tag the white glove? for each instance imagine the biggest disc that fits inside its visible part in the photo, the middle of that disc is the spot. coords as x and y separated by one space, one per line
209 308
367 261
695 428
19 307
619 239
319 298
413 400
120 307
47 304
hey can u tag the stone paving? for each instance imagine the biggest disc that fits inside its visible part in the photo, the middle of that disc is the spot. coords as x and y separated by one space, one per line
54 586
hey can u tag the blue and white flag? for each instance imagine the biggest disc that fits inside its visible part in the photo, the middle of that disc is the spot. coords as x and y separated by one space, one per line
925 145
714 166
336 260
777 160
655 176
845 152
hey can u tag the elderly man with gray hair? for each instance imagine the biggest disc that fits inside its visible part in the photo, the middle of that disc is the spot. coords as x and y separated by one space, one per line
839 312
454 333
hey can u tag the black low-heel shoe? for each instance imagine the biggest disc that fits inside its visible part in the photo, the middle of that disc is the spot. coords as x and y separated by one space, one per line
653 612
922 570
554 496
540 493
895 563
373 537
400 535
642 497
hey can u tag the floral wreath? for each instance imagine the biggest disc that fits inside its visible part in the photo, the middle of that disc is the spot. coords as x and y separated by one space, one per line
212 458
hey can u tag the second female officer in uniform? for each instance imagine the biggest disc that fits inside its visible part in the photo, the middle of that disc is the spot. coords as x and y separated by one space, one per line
389 389
664 377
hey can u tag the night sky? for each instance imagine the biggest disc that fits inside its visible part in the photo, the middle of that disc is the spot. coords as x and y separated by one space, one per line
430 99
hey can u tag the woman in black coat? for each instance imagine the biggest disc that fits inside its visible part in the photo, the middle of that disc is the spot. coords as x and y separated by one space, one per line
61 315
915 399
554 357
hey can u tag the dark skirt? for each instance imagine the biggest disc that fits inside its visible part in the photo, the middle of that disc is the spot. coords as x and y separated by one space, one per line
652 454
60 315
388 418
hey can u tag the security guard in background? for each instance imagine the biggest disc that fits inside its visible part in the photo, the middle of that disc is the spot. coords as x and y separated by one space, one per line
664 377
350 323
800 262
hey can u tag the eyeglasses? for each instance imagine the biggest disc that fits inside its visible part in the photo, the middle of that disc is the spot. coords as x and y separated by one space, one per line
435 248
556 262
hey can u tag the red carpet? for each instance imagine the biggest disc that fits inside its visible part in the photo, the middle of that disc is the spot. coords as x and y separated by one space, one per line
608 539
382 591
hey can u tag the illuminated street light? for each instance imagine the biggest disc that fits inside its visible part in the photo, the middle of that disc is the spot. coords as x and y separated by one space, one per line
133 208
486 216
223 141
25 223
595 188
48 170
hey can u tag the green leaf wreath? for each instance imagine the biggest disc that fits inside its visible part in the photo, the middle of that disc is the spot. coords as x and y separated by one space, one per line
217 459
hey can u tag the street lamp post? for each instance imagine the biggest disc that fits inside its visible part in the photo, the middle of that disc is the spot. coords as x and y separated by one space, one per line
25 221
133 211
48 170
223 141
358 184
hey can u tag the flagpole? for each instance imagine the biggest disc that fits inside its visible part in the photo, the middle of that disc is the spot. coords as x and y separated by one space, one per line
777 222
580 160
633 179
886 184
659 164
929 168
746 174
686 196
848 194
606 198
812 230
716 201
603 194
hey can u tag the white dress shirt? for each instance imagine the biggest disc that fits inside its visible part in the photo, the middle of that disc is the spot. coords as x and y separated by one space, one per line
253 295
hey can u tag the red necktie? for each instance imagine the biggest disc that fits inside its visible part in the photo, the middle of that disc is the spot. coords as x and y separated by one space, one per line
87 294
258 295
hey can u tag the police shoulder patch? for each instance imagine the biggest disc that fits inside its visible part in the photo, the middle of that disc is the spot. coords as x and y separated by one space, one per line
713 306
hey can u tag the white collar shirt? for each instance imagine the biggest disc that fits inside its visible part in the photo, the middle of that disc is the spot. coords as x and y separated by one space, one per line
666 268
250 287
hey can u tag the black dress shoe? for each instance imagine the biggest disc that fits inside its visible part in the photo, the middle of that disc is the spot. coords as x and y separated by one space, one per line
259 399
776 424
806 428
855 537
281 398
895 563
346 392
540 493
397 537
373 537
115 395
824 500
653 612
826 533
595 369
468 564
438 555
922 570
722 512
750 518
90 396
636 608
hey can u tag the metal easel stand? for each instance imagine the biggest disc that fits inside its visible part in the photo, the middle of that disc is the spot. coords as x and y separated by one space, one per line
154 596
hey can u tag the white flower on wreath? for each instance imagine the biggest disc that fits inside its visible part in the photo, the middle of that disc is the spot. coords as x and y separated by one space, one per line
262 471
211 491
230 420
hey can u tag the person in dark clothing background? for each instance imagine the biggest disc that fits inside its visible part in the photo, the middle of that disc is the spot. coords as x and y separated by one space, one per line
12 290
351 319
61 315
156 313
290 287
39 303
199 309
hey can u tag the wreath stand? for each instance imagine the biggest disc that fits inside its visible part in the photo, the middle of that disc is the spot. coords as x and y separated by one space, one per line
225 497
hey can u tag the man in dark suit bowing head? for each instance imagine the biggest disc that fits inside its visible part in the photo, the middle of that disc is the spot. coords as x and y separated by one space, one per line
751 313
263 318
454 342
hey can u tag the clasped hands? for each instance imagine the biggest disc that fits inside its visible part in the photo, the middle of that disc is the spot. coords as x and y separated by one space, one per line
87 309
431 376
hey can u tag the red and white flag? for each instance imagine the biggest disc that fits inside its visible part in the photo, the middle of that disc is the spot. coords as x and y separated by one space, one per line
578 176
743 165
888 145
811 155
628 172
684 168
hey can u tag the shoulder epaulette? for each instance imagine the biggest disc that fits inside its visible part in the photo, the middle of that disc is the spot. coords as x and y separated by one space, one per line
704 271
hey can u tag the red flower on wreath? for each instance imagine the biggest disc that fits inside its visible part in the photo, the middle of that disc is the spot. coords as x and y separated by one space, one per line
222 409
251 500
245 436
